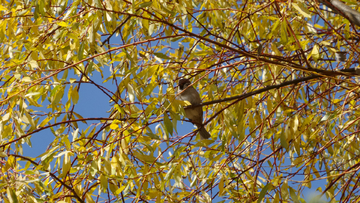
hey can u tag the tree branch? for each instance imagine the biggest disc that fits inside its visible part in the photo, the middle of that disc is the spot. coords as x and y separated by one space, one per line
346 11
116 30
52 175
246 95
55 124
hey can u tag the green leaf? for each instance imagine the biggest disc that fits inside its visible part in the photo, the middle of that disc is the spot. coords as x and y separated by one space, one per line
144 157
283 140
12 195
283 33
263 192
161 55
170 173
293 195
74 96
81 51
168 124
145 4
103 183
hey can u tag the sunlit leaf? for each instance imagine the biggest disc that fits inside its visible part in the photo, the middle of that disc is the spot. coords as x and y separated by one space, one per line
161 55
303 10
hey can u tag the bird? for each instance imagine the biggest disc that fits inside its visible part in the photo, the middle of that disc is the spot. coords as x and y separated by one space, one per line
195 115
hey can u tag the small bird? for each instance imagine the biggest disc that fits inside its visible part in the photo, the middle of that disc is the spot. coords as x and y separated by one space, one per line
195 115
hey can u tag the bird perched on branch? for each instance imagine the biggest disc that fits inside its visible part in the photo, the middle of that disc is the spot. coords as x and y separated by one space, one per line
195 115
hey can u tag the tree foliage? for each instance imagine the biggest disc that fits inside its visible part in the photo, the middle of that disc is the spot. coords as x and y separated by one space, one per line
279 102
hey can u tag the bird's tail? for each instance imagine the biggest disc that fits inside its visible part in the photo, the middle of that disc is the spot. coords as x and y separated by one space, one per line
203 133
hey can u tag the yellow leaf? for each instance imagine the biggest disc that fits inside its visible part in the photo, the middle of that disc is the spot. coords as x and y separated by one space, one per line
303 10
33 64
66 164
74 96
103 182
187 103
118 191
114 126
45 121
3 154
63 24
88 198
153 193
316 172
143 157
12 195
275 49
314 53
72 80
221 187
2 8
26 79
112 187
